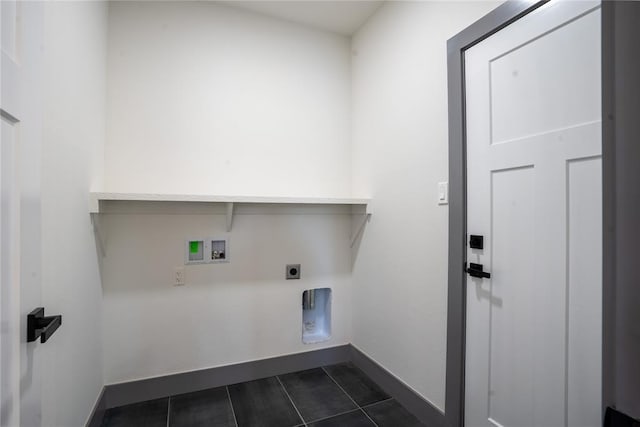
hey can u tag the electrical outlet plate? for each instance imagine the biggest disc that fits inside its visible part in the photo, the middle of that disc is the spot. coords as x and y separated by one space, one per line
293 271
178 279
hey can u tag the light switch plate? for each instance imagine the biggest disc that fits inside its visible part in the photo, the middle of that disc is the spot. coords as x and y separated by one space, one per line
443 193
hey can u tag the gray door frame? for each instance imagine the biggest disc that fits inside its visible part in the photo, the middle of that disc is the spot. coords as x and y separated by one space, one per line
621 202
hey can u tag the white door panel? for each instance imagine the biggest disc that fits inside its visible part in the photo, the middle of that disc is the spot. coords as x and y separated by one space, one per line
522 77
533 145
512 289
9 224
10 287
584 291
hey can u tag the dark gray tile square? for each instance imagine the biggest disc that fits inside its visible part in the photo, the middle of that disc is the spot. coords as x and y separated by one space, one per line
262 403
315 394
390 414
351 419
201 408
356 384
145 414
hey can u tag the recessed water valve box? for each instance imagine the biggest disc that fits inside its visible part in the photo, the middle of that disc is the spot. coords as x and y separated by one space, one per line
210 250
195 251
218 249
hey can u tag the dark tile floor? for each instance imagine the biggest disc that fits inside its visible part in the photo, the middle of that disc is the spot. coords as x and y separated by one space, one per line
333 396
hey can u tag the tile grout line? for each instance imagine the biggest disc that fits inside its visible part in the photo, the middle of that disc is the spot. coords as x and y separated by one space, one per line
376 403
291 400
340 387
336 415
370 419
345 392
233 411
168 410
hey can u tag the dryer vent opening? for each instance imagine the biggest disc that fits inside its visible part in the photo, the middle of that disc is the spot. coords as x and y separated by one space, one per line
316 315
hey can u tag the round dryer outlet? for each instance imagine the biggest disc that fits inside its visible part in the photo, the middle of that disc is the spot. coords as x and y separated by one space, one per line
293 271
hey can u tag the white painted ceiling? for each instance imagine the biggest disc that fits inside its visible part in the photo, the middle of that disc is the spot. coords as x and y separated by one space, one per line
342 17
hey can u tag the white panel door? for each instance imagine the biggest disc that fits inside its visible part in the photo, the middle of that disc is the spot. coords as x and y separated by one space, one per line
9 221
10 276
20 239
533 117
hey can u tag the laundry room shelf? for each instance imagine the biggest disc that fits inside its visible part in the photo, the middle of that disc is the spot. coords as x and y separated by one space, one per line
96 200
96 197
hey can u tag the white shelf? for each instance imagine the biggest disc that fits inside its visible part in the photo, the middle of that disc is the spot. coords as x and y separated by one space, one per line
230 201
96 197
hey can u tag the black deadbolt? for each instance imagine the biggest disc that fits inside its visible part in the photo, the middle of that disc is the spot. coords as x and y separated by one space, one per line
476 242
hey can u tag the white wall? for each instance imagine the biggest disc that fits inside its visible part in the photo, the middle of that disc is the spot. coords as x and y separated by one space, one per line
206 98
74 134
226 313
399 155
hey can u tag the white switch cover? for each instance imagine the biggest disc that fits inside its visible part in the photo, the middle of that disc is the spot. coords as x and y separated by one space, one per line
178 276
443 193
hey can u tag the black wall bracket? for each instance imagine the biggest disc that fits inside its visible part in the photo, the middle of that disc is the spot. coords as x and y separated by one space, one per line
40 326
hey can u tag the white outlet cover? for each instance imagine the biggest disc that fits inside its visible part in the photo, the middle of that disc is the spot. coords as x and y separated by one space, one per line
178 276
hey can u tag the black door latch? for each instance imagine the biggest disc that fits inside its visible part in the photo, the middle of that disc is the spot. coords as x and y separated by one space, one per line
475 270
40 326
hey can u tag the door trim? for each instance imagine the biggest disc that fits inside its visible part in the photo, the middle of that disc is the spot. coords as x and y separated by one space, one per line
621 202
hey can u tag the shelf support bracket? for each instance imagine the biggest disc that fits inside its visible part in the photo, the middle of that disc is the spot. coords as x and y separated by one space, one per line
97 231
229 216
365 218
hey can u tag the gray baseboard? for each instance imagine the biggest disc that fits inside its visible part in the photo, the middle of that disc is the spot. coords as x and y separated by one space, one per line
154 388
185 382
407 397
96 416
